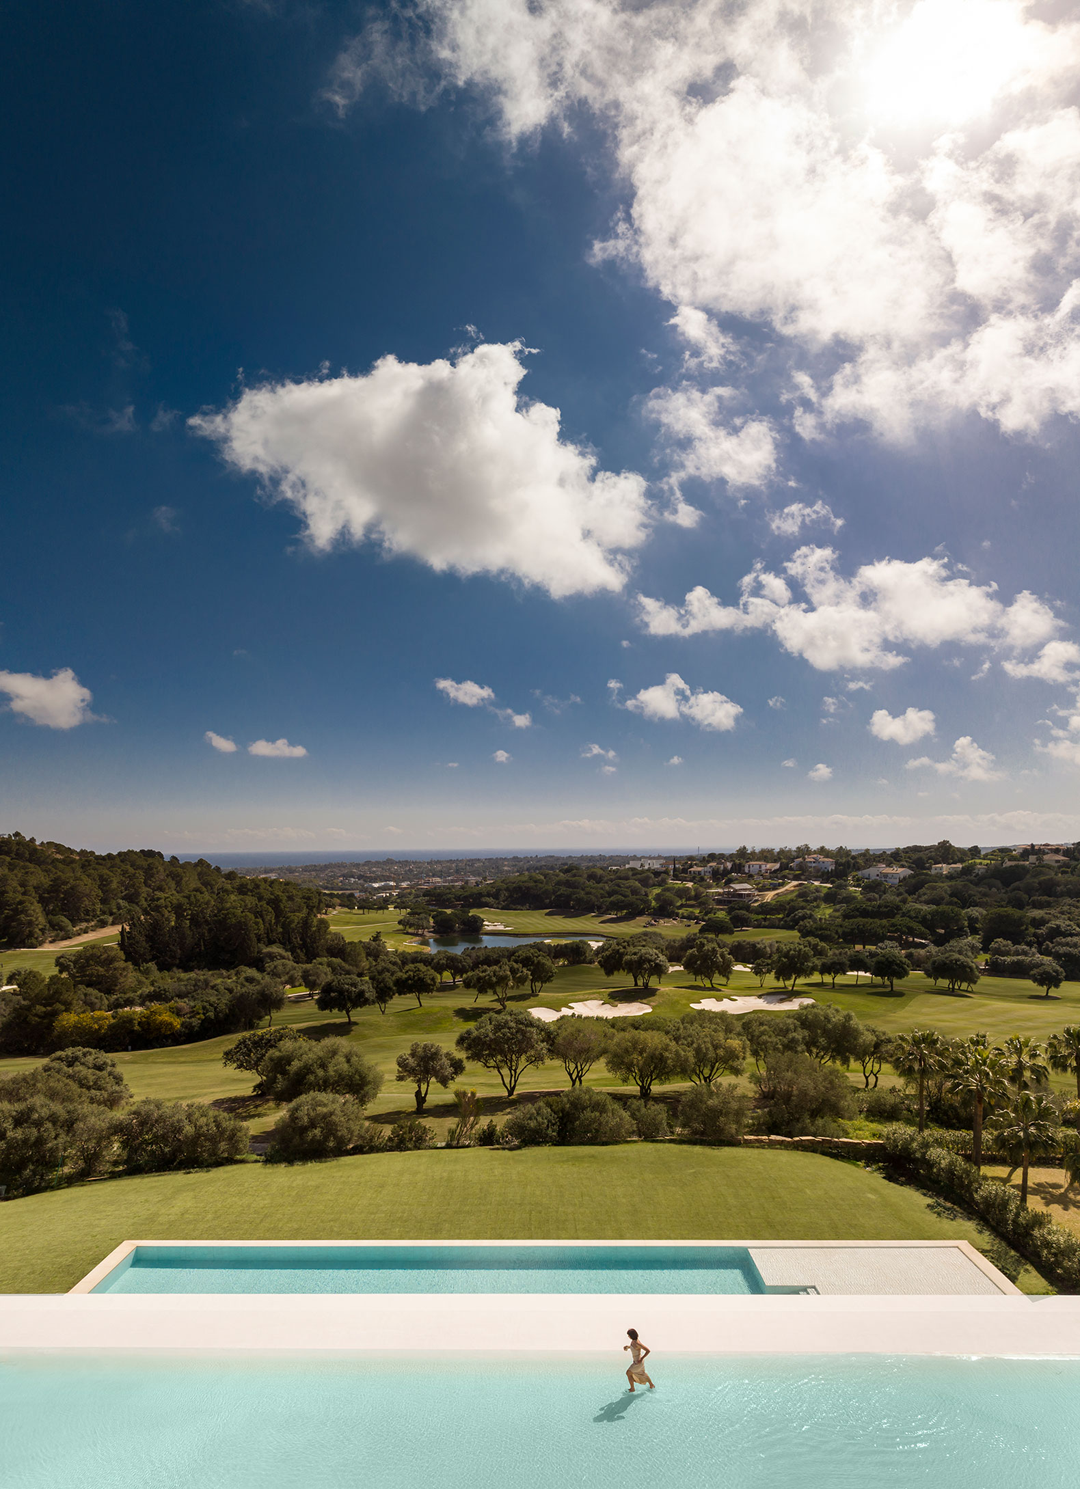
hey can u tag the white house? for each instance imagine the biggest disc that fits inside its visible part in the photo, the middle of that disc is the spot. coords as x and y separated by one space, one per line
647 863
756 869
946 868
888 873
814 863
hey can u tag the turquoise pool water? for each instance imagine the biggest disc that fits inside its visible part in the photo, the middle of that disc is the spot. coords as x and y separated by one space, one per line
870 1422
435 1269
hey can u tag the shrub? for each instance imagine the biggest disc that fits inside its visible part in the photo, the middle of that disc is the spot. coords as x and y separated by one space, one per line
714 1114
649 1119
885 1104
298 1067
532 1126
33 1139
97 1076
319 1124
795 1091
489 1135
579 1117
407 1136
154 1136
1049 1247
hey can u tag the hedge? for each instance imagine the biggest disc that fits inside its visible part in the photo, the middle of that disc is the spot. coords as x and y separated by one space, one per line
1049 1247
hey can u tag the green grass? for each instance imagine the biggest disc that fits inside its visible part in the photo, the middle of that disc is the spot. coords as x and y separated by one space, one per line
43 958
640 1191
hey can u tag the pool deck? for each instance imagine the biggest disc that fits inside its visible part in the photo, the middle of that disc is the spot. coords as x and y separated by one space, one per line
543 1323
920 1298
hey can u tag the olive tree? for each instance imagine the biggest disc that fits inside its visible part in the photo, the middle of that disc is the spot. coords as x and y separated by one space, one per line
508 1042
424 1062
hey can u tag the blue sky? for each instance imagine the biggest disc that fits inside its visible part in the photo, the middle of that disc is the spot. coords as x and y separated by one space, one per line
698 387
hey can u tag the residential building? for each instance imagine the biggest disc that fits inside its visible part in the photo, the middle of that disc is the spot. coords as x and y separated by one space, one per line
647 863
756 869
888 873
946 868
814 863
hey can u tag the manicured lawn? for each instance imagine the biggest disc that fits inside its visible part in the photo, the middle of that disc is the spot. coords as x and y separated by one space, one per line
43 958
639 1191
1045 1192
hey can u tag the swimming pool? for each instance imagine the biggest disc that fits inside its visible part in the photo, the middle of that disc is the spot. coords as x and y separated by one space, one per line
891 1422
434 1269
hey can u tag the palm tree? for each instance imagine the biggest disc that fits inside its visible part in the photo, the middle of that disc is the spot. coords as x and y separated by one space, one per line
917 1055
1064 1052
1027 1128
1025 1063
979 1073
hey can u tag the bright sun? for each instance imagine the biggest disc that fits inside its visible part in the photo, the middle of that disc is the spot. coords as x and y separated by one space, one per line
947 62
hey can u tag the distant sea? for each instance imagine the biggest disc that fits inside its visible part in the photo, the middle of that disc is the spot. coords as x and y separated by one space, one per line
422 855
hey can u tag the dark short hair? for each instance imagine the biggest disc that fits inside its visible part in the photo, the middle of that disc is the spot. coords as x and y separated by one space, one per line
632 1333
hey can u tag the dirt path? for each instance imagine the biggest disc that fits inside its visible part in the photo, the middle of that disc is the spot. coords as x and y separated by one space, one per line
108 930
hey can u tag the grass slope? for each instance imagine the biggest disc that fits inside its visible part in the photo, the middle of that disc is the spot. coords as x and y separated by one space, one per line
641 1191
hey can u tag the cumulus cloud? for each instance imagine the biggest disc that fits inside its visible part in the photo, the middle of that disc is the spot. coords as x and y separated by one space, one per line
500 757
56 702
968 762
905 728
777 702
820 772
676 760
608 770
675 699
709 442
475 695
758 148
1055 663
444 462
858 623
220 743
789 764
276 749
595 751
790 522
471 694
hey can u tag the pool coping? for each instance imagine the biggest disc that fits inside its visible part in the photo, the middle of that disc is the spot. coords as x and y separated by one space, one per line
121 1253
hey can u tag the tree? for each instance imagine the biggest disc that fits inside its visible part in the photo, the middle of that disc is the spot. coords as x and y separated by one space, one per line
871 1049
96 1075
1004 924
384 982
831 1035
418 980
794 959
1064 1052
1025 1063
1047 975
578 1044
251 1049
508 1042
1027 1129
834 965
797 1092
890 966
644 963
978 1073
714 1114
707 960
448 961
917 1055
710 1046
640 1057
610 956
425 1062
538 970
297 1066
343 994
954 969
762 967
318 1125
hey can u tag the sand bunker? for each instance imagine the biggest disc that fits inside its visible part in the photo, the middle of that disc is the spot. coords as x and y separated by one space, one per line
751 1004
593 1008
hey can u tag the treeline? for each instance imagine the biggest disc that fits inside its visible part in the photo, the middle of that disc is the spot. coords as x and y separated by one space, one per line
577 891
175 915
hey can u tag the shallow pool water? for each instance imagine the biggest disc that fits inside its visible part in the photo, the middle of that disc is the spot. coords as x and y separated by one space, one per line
868 1422
435 1269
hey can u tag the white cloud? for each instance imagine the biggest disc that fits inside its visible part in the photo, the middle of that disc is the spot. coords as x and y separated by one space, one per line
905 728
276 749
608 770
857 623
777 702
441 461
451 765
820 772
1055 663
758 148
791 521
711 443
594 751
789 764
968 762
500 757
676 760
57 702
471 694
220 743
675 699
517 720
833 705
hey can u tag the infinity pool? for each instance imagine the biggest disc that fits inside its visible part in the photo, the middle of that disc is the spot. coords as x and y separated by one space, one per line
98 1422
435 1269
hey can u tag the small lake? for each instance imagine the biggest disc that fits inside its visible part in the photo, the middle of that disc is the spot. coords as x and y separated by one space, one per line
462 943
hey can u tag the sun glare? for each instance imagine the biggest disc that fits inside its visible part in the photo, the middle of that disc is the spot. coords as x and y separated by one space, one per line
947 62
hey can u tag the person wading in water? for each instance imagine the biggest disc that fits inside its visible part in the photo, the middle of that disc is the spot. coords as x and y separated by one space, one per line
638 1354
